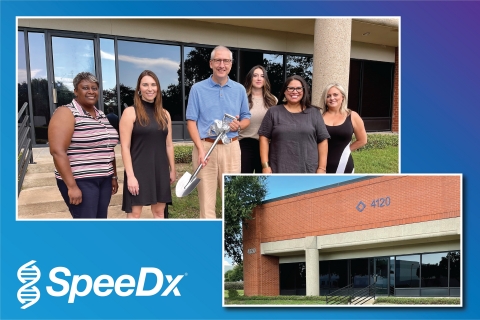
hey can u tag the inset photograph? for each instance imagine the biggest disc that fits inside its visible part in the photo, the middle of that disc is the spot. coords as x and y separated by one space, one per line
390 240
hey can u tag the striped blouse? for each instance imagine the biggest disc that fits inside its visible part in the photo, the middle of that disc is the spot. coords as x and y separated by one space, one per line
91 150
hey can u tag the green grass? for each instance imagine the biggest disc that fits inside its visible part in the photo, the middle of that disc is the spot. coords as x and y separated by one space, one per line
376 160
418 301
275 300
188 207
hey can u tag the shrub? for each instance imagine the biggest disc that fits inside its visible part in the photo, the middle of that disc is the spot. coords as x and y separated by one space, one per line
237 285
183 154
232 294
380 141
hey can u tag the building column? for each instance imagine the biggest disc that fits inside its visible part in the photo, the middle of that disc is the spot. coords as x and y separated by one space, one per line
331 54
312 265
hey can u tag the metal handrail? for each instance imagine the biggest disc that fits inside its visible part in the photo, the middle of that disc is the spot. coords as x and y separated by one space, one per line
341 296
24 151
348 295
365 294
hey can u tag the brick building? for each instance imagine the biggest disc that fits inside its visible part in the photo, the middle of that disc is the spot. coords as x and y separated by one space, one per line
404 231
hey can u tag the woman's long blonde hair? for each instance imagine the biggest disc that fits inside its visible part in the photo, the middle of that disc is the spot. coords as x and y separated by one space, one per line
323 101
160 114
268 98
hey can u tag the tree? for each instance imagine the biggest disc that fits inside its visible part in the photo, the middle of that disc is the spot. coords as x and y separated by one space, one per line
242 194
236 274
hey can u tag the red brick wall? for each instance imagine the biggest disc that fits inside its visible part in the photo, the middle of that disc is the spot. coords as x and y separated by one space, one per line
395 95
412 199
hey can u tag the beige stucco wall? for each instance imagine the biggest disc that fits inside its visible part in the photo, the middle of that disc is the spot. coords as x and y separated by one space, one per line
190 31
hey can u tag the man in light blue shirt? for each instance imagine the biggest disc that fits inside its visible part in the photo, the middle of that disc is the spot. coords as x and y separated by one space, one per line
208 101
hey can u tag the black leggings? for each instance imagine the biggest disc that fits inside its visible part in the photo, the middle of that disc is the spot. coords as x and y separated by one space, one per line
251 162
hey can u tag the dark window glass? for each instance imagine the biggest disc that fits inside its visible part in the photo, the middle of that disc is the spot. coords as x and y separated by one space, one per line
359 272
392 277
354 85
407 271
302 66
455 269
381 272
338 273
324 275
39 86
70 57
377 93
109 76
435 270
163 60
273 63
22 72
293 278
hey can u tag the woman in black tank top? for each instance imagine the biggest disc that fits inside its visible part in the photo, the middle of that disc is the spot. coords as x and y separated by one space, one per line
341 123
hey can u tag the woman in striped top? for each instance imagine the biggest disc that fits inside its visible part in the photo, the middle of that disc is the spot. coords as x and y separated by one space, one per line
82 144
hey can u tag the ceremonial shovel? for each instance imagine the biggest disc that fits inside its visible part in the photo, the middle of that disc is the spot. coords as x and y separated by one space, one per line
188 182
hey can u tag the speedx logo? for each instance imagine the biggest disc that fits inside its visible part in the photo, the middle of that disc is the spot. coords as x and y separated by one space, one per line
28 274
102 286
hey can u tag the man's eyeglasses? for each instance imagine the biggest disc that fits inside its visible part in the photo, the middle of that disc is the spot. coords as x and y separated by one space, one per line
291 89
225 61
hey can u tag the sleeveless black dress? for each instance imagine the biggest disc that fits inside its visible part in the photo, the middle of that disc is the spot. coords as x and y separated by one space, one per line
148 149
339 158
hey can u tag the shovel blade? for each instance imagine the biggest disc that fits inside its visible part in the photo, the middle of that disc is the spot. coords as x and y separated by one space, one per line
185 186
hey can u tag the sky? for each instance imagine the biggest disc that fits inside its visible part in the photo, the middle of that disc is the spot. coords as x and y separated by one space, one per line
283 185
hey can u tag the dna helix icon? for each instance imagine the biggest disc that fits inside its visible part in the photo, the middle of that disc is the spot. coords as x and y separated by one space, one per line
28 274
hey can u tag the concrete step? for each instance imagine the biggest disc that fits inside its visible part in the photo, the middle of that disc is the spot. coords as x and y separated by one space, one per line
42 200
45 179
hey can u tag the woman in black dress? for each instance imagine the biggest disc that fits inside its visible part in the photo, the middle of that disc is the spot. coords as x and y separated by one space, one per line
147 150
341 123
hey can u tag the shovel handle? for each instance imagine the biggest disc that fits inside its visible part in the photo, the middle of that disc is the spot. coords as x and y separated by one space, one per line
220 136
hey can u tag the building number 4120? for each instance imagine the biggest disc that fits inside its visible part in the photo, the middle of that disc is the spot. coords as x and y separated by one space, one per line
380 202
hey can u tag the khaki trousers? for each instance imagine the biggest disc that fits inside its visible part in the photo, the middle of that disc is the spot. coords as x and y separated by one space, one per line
225 158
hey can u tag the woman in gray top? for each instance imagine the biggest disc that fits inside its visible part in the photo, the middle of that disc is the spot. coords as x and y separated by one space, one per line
293 136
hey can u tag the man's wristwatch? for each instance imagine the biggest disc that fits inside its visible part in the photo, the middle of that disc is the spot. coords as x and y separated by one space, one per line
239 128
115 177
265 165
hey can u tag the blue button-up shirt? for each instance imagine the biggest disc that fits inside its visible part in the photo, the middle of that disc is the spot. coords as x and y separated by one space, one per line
209 101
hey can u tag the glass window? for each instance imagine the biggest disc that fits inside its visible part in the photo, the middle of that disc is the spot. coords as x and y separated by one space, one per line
377 93
407 271
273 63
109 76
324 275
354 85
359 271
338 274
293 278
435 270
39 86
22 72
302 66
163 60
381 272
455 269
196 66
70 57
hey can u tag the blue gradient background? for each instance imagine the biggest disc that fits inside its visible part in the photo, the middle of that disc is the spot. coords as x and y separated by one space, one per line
439 120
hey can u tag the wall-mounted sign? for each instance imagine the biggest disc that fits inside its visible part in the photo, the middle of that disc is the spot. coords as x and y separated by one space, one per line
376 203
251 251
